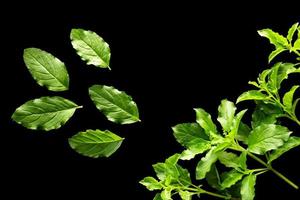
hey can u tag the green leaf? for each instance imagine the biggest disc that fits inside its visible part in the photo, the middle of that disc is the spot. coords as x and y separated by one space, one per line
226 114
295 105
160 170
158 197
288 98
248 187
166 194
252 95
91 47
169 168
275 53
288 145
267 137
243 133
297 44
151 183
116 105
205 121
229 159
262 77
46 69
236 124
185 195
230 178
243 160
291 32
213 178
95 143
283 71
45 113
265 114
276 39
204 165
191 136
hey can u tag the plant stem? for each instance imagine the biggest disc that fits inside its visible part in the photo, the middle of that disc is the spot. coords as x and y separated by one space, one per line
273 170
216 195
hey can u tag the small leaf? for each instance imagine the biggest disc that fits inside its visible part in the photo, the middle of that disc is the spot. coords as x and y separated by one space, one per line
226 114
288 98
160 170
46 69
158 197
151 183
116 105
184 176
252 95
45 113
283 71
291 32
262 77
248 187
276 39
273 83
91 47
297 44
275 53
191 136
267 137
95 143
205 121
204 165
243 160
236 124
213 178
230 178
243 133
229 159
288 145
185 195
166 194
295 105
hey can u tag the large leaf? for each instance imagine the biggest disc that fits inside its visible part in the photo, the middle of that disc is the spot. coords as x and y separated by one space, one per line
45 113
151 183
226 114
230 178
116 105
47 70
205 164
95 143
248 187
91 47
267 137
252 95
288 145
205 121
288 98
192 136
276 39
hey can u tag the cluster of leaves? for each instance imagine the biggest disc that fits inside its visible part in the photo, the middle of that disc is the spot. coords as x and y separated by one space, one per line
224 163
48 113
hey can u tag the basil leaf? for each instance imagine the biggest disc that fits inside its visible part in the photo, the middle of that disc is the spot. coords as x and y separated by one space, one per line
116 105
288 145
248 187
229 159
226 114
288 98
158 197
205 164
205 121
185 195
275 38
291 32
267 137
45 113
46 69
151 183
213 178
252 95
91 47
230 178
275 53
95 143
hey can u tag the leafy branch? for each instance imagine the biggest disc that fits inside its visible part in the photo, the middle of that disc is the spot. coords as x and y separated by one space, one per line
264 140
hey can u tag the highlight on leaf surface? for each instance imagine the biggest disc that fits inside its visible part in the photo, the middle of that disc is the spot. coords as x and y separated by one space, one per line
91 47
116 105
95 143
46 69
45 113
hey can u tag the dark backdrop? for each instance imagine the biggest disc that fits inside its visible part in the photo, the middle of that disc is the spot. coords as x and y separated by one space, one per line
170 59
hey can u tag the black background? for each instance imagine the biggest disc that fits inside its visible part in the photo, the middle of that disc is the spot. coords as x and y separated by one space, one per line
169 58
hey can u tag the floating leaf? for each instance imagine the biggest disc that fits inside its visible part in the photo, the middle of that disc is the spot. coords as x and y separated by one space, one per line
46 69
91 47
45 113
95 143
116 105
